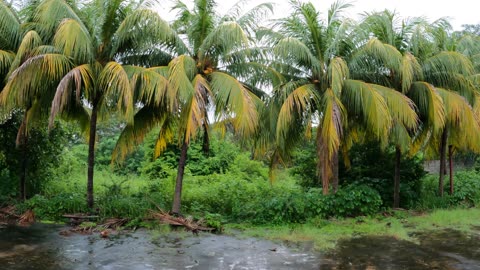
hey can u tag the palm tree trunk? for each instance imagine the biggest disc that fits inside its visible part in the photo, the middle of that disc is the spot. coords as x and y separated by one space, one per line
443 162
91 156
177 197
335 172
396 180
450 165
22 142
206 140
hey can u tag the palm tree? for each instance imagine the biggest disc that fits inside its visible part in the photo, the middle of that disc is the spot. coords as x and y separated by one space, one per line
93 46
454 71
209 62
391 64
19 44
312 55
418 76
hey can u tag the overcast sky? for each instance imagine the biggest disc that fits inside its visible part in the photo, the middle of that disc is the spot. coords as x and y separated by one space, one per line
459 11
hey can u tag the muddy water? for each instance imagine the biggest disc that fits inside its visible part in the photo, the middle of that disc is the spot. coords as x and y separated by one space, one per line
446 249
41 247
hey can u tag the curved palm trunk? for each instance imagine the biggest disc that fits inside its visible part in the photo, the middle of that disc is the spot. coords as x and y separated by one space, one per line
450 165
443 161
396 180
91 156
177 197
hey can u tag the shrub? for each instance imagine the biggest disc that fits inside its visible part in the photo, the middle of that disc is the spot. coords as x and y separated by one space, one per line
466 192
356 201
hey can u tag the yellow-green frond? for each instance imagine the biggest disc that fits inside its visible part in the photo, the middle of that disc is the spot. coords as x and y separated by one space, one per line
429 105
361 100
224 38
401 108
9 27
181 73
114 83
233 98
71 84
298 102
36 77
296 52
337 73
410 71
133 134
73 39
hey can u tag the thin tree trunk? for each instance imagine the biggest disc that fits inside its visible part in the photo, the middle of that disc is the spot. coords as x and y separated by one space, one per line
443 162
396 180
206 140
178 185
450 165
335 172
24 169
91 156
22 142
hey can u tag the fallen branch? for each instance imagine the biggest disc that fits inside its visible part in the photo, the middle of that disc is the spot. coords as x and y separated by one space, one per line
28 218
79 216
188 222
114 223
9 211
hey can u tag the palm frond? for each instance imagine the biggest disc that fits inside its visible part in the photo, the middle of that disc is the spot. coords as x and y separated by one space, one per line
71 85
429 104
233 98
9 28
223 39
362 101
297 103
73 39
35 78
114 83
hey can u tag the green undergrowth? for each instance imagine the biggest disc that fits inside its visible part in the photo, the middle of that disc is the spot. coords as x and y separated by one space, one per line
325 234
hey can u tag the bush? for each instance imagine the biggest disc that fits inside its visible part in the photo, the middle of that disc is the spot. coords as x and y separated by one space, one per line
356 201
466 191
53 208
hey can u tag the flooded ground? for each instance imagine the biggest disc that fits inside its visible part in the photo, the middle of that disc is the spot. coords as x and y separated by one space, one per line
42 247
446 249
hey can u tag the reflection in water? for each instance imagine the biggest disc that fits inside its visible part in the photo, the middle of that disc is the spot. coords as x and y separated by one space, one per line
41 247
437 250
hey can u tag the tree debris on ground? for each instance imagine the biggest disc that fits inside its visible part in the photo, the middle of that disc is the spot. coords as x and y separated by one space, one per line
8 216
187 222
88 227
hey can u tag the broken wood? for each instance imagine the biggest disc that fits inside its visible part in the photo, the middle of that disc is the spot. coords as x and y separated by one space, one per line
188 223
9 211
28 218
114 223
79 216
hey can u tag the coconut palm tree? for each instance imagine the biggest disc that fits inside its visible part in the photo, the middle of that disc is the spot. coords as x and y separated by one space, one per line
211 62
313 55
94 43
19 44
418 76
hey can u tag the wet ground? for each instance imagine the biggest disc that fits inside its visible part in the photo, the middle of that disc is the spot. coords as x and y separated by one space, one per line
42 247
446 249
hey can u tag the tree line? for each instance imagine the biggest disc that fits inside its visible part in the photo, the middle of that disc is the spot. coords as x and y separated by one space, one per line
408 83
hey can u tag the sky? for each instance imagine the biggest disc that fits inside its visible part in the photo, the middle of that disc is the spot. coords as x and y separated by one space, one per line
459 11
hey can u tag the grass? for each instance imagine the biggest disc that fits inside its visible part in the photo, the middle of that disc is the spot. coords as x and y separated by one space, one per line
325 234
